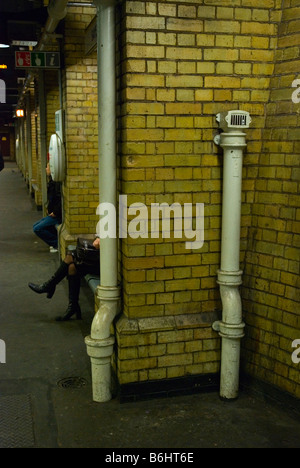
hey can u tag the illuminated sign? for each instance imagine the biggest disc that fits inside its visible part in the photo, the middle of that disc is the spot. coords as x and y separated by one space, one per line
24 43
20 113
3 67
37 59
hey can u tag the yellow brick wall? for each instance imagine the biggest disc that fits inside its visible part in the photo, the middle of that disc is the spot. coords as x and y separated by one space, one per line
166 347
80 105
35 145
52 102
182 63
271 284
52 105
33 137
36 133
23 132
179 64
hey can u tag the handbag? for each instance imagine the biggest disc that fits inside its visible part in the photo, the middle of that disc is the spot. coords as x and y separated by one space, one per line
86 253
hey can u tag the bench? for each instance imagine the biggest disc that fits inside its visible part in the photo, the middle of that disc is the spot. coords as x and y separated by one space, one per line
93 281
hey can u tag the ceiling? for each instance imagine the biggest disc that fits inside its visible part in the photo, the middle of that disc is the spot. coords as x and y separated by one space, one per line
20 20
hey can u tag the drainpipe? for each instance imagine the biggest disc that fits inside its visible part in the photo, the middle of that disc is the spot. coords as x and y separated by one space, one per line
100 343
231 328
57 11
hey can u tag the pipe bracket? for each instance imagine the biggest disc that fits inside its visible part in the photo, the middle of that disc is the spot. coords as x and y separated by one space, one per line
230 278
225 330
233 140
100 348
109 293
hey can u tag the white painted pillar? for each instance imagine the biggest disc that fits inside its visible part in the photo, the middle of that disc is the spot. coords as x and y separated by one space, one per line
100 343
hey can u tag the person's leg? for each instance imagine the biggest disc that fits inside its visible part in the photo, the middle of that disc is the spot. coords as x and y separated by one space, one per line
36 224
50 285
74 279
45 230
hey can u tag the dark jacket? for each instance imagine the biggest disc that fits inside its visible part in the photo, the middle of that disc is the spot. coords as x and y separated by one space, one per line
54 199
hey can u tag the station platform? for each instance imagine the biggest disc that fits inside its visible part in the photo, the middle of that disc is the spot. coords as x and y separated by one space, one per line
45 383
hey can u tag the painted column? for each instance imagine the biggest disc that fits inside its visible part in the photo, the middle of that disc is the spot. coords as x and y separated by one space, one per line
101 342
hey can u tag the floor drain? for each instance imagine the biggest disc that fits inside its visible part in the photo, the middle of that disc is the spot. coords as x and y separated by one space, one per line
72 382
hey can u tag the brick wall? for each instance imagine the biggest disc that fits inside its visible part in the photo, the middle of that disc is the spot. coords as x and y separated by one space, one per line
32 111
81 192
36 136
179 64
53 104
271 287
182 63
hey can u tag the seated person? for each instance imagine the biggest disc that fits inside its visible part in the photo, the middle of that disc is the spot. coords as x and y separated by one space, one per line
74 270
45 228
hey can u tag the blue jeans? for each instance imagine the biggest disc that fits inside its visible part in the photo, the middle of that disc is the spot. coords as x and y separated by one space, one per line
45 229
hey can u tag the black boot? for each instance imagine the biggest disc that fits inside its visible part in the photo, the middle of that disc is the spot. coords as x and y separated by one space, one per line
73 307
50 286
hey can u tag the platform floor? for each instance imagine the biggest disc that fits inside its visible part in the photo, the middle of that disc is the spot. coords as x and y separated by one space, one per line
45 384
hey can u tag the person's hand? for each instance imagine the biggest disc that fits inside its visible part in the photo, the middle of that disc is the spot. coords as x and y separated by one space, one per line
96 243
52 215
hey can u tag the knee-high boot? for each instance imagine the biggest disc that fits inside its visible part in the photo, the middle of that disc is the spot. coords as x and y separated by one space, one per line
50 286
73 307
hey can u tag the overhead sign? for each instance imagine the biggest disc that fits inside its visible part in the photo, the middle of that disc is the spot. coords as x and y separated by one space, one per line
37 59
24 43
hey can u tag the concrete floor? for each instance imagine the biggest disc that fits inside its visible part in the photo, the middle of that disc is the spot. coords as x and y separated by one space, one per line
38 407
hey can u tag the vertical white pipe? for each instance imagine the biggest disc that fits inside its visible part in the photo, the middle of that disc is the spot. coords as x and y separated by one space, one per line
107 131
230 276
100 343
231 217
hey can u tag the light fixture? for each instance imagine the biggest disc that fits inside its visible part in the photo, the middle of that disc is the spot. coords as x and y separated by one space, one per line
4 46
20 112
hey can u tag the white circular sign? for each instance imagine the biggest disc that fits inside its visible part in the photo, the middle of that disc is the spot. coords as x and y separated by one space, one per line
57 159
